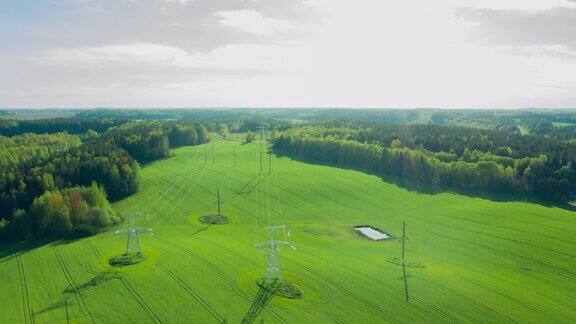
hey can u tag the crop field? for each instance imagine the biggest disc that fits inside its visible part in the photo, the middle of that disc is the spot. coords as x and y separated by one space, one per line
468 259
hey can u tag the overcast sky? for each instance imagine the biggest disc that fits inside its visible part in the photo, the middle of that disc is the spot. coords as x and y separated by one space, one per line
288 53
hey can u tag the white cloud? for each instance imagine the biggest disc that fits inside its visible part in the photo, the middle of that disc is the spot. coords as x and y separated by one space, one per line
366 53
230 57
253 22
112 54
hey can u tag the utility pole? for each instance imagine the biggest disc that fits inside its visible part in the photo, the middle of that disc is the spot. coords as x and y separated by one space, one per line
403 238
219 203
273 273
406 296
67 315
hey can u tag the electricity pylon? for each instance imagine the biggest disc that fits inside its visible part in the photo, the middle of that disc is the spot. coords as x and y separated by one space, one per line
273 273
132 232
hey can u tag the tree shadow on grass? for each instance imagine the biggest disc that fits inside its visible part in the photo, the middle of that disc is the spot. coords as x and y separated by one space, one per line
9 251
430 189
263 297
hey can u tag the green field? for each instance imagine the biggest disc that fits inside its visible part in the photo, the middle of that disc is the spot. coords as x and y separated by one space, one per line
482 261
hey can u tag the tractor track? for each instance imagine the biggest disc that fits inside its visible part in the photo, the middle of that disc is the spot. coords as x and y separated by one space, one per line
349 293
228 279
27 312
77 293
194 294
252 262
388 286
138 298
94 249
167 187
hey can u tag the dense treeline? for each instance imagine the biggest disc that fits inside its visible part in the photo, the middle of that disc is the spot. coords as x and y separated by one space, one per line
36 166
101 162
453 140
149 141
11 127
56 213
35 148
446 157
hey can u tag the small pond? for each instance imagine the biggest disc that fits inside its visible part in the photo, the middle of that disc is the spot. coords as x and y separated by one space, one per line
372 233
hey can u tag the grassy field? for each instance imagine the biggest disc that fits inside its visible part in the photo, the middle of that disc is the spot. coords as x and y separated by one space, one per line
480 261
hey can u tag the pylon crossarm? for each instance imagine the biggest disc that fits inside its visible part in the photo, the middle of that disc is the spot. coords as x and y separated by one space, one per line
276 227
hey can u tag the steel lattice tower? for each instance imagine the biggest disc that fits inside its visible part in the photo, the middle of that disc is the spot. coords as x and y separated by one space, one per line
273 273
132 233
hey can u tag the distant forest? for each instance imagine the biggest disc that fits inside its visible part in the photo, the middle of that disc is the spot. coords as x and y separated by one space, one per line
58 175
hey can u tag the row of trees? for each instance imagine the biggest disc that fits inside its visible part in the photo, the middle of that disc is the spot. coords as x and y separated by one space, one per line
472 171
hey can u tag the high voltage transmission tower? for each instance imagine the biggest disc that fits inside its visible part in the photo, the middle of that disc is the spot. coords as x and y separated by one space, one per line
132 233
273 273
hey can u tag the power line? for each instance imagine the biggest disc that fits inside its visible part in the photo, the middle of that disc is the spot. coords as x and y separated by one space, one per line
181 199
279 208
167 187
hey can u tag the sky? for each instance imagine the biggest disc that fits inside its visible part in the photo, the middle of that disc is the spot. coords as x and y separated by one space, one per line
288 53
